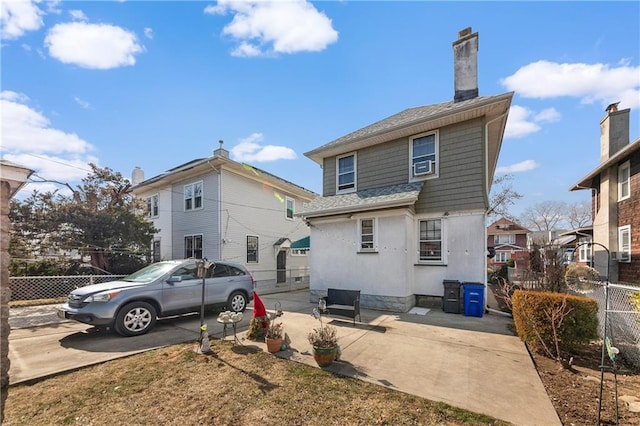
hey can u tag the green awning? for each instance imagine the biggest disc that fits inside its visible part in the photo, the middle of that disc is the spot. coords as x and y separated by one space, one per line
303 243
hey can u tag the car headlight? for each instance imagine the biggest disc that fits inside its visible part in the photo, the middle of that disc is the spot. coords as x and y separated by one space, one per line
101 297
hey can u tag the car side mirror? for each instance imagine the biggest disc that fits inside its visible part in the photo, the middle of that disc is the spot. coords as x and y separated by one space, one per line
174 279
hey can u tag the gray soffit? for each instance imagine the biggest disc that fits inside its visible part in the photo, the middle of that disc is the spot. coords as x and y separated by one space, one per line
369 199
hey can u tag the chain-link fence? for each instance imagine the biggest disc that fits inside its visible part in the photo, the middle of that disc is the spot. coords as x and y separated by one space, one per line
52 287
622 316
285 280
58 287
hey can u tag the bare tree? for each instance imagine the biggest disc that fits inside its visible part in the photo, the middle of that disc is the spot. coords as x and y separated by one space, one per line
545 216
503 196
579 214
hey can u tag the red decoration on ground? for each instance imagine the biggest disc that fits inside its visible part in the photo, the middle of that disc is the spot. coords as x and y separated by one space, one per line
258 307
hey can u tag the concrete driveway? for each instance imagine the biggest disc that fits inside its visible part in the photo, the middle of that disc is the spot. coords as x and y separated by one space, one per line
470 362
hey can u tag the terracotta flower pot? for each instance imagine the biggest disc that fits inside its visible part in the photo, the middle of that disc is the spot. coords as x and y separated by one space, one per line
273 345
324 356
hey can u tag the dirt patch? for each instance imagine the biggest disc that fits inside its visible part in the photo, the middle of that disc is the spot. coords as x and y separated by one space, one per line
575 392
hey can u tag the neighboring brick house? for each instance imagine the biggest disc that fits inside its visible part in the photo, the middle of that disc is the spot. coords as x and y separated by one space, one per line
219 209
508 240
405 199
615 195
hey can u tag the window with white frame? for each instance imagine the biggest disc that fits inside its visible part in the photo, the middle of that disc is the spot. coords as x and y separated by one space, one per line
430 239
624 241
424 155
252 249
366 234
290 206
193 246
624 181
346 173
152 206
502 256
299 252
585 250
193 196
504 239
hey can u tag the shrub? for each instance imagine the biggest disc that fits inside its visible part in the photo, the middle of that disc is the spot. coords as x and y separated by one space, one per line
555 323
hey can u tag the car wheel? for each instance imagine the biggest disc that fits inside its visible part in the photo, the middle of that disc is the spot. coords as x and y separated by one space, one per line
237 302
135 319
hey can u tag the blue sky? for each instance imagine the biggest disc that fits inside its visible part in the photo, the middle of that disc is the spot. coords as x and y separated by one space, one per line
156 84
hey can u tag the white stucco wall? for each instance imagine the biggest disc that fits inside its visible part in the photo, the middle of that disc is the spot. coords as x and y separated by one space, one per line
336 263
465 255
393 272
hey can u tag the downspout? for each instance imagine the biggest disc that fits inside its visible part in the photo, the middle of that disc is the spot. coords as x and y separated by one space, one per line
220 245
486 195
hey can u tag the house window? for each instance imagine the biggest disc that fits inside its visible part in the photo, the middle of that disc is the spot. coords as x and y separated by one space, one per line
502 256
424 155
299 252
584 249
346 173
504 239
431 239
193 246
624 242
152 206
624 173
290 205
252 249
193 196
156 251
366 231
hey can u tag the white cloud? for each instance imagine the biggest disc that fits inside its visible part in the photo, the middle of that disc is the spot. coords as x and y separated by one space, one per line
264 28
29 139
84 104
523 122
95 46
590 83
78 15
250 150
148 33
549 115
523 166
27 130
18 17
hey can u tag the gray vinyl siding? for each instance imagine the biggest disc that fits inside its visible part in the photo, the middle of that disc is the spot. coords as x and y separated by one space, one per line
203 221
329 176
460 185
383 165
460 181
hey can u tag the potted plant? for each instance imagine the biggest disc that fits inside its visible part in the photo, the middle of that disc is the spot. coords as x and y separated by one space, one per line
274 336
324 341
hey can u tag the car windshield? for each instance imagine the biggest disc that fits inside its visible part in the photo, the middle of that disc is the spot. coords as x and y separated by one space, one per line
150 273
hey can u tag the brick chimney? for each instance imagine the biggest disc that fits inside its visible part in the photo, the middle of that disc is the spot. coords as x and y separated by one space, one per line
614 131
465 64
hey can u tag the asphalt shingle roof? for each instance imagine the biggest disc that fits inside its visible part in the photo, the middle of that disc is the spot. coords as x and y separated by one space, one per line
368 199
404 118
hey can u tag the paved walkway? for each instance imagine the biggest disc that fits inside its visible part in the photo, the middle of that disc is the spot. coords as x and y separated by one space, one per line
470 362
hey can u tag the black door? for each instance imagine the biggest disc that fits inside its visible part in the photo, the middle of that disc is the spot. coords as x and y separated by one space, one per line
281 266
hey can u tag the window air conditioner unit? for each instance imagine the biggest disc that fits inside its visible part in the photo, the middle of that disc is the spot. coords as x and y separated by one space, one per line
620 256
423 168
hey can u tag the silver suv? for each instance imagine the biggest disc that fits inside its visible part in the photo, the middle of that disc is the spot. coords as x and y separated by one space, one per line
132 304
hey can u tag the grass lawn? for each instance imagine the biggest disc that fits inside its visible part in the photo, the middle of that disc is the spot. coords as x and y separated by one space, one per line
234 385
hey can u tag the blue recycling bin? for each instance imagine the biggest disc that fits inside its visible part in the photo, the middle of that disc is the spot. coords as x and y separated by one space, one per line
473 299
